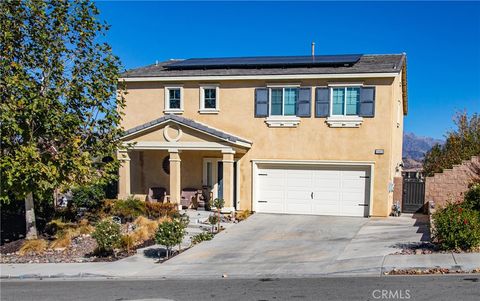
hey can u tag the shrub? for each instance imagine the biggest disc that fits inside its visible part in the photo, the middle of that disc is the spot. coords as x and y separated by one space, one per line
201 237
107 234
472 197
170 233
36 246
457 227
89 196
213 220
128 209
155 210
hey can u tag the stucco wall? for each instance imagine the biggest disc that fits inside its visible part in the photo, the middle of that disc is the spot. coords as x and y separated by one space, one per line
313 139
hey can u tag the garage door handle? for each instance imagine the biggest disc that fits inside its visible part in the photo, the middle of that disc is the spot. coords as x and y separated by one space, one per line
364 177
262 201
364 205
311 195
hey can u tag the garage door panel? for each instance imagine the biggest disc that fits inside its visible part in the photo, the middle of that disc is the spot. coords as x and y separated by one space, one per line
304 208
336 190
326 184
323 209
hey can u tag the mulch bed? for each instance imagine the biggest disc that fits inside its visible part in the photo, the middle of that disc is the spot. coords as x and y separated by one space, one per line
82 249
78 251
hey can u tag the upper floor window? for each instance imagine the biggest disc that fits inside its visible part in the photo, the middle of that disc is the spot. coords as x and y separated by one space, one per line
283 101
345 101
173 99
209 100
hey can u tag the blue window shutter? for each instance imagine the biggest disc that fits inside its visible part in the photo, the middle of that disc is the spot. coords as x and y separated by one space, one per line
322 102
367 102
304 102
261 102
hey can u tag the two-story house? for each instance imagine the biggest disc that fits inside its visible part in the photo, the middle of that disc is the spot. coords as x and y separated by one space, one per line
300 134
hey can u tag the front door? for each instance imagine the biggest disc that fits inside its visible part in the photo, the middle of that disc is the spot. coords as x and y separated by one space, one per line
213 179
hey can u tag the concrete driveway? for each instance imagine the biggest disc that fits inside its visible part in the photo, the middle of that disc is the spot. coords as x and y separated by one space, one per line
288 245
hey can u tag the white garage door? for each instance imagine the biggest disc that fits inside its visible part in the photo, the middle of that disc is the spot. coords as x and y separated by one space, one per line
330 190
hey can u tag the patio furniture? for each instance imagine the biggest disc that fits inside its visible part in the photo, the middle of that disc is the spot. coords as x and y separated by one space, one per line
187 197
157 194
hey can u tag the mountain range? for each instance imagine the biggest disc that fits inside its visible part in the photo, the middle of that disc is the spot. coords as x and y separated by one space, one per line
414 149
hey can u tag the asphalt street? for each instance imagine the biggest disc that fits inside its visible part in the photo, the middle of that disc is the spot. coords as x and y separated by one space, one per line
448 287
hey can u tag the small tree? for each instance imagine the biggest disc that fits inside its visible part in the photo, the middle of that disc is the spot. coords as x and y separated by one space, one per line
170 233
218 204
461 144
213 220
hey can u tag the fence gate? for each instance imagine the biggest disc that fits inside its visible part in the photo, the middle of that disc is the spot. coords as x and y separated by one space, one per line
413 194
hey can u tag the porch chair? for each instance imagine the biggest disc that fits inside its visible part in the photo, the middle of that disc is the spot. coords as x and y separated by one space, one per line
191 197
157 194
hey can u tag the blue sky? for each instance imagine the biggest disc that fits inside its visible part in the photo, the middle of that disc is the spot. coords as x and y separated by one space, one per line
441 39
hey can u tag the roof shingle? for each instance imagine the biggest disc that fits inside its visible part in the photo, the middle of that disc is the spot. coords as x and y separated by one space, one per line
377 63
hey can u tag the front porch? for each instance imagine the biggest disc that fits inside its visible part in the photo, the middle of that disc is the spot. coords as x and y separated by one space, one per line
176 153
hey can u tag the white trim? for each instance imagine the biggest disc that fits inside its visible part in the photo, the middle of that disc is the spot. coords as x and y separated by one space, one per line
214 162
286 163
342 121
277 121
168 110
167 136
247 144
312 162
357 84
204 110
257 77
344 100
285 85
156 145
283 100
214 166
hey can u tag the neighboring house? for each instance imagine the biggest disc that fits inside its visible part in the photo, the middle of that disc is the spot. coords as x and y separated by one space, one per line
301 134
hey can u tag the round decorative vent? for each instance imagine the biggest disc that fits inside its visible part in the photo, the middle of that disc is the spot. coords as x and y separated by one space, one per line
166 165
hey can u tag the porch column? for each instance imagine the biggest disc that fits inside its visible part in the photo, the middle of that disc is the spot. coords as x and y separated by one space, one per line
123 174
228 161
175 176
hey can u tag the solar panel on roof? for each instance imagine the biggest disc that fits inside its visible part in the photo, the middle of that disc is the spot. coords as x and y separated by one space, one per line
266 61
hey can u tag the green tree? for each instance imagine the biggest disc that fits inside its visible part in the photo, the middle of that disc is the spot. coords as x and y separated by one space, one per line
170 233
60 100
461 144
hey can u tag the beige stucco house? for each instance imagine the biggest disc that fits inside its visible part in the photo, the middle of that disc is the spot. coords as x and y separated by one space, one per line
302 135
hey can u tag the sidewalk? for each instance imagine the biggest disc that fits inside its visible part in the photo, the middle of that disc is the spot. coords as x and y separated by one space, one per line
140 267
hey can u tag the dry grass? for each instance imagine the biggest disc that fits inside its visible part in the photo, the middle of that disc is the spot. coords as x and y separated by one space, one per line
128 242
62 241
145 229
37 246
242 215
67 232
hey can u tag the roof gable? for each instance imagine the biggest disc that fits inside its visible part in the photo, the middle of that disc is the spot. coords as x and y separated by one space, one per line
191 124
